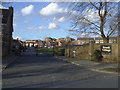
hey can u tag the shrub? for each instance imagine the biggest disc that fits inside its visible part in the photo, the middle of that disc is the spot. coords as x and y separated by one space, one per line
61 51
98 55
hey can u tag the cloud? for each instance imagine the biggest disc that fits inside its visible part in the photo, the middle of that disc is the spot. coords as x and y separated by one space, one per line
91 15
18 37
51 9
15 16
23 31
27 10
26 21
41 27
52 26
62 19
59 14
32 28
37 28
84 34
65 16
2 7
14 25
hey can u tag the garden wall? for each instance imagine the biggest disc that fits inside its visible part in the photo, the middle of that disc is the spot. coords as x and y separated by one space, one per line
110 51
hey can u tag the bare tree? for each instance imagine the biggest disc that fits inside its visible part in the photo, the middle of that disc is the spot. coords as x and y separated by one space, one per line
95 18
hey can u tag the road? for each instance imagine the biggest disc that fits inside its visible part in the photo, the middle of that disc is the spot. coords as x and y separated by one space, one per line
43 71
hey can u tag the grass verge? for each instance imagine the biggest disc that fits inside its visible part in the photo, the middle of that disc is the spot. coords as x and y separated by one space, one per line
112 69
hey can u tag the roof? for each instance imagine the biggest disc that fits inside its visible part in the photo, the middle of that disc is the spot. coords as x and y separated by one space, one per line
98 38
111 38
85 38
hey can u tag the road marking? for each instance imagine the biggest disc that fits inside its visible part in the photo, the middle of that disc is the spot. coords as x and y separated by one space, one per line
73 62
103 71
78 64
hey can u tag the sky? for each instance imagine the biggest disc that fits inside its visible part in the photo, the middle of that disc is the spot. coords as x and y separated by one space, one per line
37 20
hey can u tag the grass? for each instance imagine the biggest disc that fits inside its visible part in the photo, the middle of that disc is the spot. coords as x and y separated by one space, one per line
112 69
45 50
49 51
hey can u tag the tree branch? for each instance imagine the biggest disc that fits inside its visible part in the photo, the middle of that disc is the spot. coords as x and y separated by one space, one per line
94 5
100 9
92 22
105 10
112 31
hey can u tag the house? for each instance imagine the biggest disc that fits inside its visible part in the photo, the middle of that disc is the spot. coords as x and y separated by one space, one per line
68 39
6 29
59 43
81 41
31 43
111 40
64 41
98 40
74 42
41 43
49 42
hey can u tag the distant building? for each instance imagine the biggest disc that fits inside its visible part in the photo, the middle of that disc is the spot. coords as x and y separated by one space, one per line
111 40
49 42
41 43
6 27
98 40
74 42
68 39
64 41
16 42
81 41
59 43
31 43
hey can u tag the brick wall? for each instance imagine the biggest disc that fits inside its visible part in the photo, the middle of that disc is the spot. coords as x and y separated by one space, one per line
87 51
7 29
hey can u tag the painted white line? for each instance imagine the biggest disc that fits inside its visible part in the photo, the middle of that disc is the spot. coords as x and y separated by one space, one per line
103 71
78 64
73 62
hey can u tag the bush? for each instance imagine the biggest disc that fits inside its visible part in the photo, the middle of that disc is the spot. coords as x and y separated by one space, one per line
98 55
61 51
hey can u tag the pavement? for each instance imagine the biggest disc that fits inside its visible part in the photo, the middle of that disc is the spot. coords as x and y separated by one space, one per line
6 61
91 65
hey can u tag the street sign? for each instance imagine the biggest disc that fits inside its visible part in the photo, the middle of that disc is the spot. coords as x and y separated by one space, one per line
106 49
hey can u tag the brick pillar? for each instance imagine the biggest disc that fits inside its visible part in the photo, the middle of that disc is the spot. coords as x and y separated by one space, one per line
118 41
91 49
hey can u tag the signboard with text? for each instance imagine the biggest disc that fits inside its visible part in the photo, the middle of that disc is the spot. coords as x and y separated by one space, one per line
106 49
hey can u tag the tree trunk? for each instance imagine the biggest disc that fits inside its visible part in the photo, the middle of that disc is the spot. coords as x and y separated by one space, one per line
106 40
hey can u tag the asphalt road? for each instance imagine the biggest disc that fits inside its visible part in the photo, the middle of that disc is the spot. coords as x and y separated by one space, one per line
43 71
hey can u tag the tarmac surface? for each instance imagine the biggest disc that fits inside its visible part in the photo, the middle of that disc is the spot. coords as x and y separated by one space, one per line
43 71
